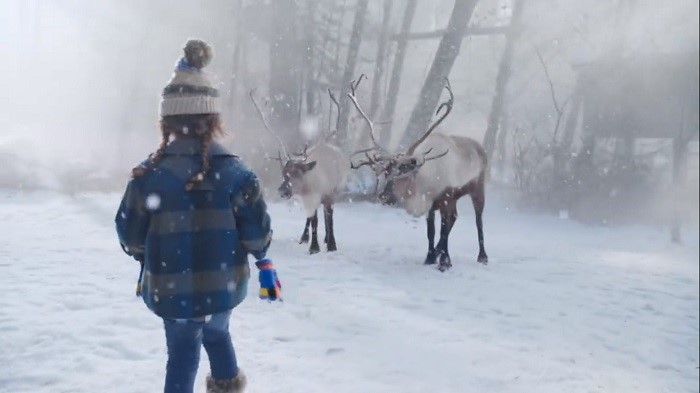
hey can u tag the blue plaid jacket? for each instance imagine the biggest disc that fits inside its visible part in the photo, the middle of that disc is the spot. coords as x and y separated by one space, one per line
194 245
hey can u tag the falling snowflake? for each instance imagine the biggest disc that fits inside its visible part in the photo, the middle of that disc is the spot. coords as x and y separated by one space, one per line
309 127
152 201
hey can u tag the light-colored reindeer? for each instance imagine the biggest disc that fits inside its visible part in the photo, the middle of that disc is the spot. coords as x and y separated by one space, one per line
431 175
314 176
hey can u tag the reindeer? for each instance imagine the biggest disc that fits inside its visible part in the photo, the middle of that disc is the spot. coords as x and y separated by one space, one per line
314 175
433 174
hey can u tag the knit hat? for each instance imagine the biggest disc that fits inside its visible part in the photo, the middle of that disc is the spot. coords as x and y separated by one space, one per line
190 92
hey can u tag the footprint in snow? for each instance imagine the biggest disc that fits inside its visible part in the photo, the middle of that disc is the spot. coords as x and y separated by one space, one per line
334 351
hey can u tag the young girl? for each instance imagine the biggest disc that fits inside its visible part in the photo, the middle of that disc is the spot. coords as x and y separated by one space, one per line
191 214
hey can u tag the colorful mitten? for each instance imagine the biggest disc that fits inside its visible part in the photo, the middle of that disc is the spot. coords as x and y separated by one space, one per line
270 287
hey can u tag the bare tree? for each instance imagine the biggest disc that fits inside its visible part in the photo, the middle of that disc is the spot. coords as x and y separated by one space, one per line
442 65
380 58
350 63
309 57
572 117
395 82
285 69
504 73
237 56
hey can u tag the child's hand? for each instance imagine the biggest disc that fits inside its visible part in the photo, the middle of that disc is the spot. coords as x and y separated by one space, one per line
138 282
270 287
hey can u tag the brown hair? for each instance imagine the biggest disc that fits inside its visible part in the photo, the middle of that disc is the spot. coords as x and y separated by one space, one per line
203 127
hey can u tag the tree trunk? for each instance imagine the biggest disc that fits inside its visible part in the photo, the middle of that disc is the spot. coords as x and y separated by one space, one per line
285 69
679 154
504 73
339 41
350 63
380 59
309 52
442 65
572 118
236 71
471 31
502 141
680 165
395 82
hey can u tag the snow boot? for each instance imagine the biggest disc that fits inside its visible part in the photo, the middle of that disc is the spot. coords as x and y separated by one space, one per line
235 385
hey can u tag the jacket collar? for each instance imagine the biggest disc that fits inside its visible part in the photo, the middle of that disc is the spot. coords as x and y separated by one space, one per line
191 147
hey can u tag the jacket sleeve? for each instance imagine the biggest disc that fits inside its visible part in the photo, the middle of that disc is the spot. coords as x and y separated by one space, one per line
132 222
252 220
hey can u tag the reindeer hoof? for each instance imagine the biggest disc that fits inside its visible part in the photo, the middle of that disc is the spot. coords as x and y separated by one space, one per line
332 247
445 263
431 258
315 249
483 258
304 239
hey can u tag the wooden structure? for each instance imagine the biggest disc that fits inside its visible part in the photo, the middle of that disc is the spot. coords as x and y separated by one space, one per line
653 96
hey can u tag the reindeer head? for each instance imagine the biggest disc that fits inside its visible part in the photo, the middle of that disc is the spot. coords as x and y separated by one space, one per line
399 170
400 176
293 172
294 167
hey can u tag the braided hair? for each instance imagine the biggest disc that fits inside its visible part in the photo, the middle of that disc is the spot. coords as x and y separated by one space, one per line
203 127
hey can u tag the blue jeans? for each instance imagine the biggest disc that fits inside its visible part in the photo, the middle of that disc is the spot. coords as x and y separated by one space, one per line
184 339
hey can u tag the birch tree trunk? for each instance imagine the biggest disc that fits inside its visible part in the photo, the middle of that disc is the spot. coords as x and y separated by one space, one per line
442 65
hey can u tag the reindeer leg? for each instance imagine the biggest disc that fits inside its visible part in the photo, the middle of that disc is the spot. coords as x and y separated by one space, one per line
432 256
314 248
478 200
305 235
328 216
448 216
324 201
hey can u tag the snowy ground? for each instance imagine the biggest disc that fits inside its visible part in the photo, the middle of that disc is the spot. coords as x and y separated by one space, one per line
560 308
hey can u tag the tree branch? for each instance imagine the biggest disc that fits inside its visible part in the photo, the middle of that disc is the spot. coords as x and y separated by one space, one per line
471 31
549 80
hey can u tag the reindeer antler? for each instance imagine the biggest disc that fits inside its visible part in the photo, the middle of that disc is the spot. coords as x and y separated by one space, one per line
353 98
303 153
426 158
267 126
369 161
278 158
448 108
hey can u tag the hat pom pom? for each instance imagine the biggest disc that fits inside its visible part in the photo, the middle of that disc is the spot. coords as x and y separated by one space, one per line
198 54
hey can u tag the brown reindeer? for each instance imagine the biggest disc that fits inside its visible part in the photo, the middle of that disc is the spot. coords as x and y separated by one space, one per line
425 182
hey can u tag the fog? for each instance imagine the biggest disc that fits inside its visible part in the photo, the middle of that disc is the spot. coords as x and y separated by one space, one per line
82 81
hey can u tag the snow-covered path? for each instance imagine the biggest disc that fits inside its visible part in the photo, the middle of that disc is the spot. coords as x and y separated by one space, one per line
560 308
